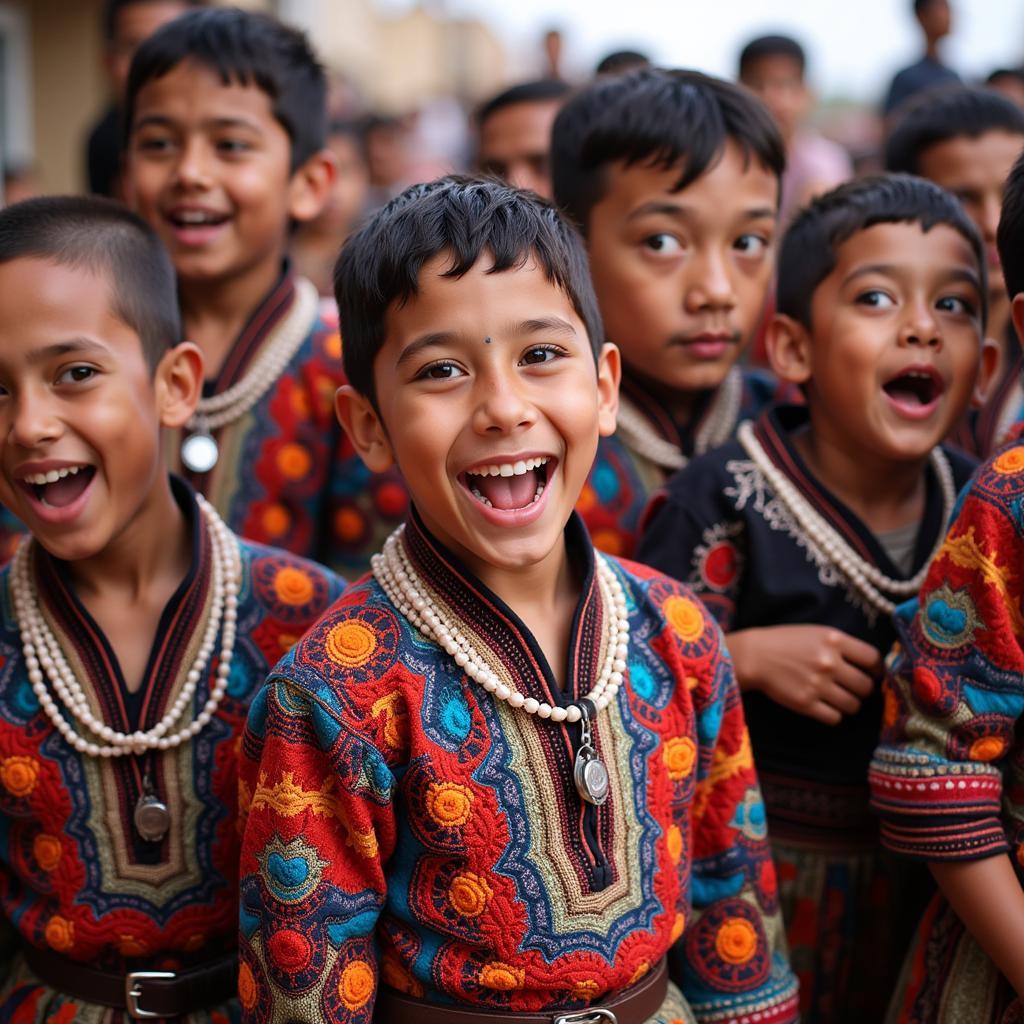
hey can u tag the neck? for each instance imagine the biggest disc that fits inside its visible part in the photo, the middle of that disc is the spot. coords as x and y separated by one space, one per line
214 312
680 405
884 494
153 553
931 50
538 593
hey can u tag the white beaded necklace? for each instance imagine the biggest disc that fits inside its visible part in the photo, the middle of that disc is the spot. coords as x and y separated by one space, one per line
45 659
404 587
636 431
219 410
865 578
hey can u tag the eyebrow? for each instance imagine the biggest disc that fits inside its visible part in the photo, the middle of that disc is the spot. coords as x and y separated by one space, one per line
891 270
164 121
536 325
73 346
544 324
425 341
682 211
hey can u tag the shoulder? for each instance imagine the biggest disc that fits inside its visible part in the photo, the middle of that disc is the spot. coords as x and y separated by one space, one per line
291 588
998 486
673 604
706 474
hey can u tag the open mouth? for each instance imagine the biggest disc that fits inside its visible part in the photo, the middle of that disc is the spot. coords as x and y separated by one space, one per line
196 218
509 486
59 488
914 388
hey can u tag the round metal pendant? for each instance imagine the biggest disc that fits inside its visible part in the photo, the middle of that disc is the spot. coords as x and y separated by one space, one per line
152 818
591 777
199 452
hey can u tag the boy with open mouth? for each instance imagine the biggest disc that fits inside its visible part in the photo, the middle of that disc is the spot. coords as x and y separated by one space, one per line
804 534
507 774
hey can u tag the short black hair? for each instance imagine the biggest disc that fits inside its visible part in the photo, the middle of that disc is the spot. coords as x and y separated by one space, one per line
772 46
808 253
621 60
1010 234
661 117
943 113
113 8
102 237
543 90
246 48
463 218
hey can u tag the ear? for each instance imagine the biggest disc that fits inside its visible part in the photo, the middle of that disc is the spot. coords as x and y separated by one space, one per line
364 427
178 383
788 344
310 186
988 366
609 373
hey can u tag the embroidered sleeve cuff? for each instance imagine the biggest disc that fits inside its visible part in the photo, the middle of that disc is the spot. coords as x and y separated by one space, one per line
936 810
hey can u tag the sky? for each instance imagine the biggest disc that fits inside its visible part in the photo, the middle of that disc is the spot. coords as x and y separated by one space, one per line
854 46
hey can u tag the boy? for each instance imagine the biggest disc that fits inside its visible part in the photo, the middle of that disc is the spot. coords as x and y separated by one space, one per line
966 140
134 628
226 118
773 68
946 777
506 775
803 534
673 178
514 130
934 18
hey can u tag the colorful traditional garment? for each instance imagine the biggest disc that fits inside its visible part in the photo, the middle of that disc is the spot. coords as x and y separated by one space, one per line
75 875
624 477
287 474
984 430
946 778
721 528
406 827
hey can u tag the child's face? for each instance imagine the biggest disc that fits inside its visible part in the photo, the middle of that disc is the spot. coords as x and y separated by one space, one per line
779 82
208 167
490 370
895 340
515 142
975 170
76 394
681 276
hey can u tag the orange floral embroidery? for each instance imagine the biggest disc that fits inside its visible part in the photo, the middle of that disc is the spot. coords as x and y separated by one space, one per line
685 618
356 985
736 941
351 644
18 774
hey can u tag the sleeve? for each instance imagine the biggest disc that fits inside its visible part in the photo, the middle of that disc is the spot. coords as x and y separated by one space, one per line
11 531
731 961
699 544
953 690
316 809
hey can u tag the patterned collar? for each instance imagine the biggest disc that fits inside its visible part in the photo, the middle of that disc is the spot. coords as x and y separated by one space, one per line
496 628
776 429
265 317
682 435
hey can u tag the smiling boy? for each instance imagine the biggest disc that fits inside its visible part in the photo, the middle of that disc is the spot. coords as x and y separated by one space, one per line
134 628
542 797
803 534
226 117
673 178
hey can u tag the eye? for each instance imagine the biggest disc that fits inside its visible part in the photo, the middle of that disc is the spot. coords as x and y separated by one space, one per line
76 375
153 144
440 371
541 354
751 245
955 304
876 299
233 146
663 243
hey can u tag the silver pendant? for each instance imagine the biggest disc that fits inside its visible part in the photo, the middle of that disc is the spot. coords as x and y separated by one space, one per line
589 772
199 451
152 818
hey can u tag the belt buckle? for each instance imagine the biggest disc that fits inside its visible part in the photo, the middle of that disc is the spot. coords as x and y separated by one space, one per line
133 991
597 1015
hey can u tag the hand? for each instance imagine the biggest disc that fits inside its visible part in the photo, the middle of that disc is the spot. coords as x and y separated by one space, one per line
816 671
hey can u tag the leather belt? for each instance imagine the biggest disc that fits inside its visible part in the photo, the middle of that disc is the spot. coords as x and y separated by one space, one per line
143 995
634 1005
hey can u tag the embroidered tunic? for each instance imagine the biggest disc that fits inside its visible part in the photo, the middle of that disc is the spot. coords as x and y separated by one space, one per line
405 827
721 528
75 876
623 480
946 778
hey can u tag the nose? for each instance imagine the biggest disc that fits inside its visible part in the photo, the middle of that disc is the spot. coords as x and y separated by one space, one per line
33 422
709 284
193 169
990 211
502 407
920 327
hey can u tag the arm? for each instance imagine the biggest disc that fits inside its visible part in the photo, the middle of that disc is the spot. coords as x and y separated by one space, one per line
315 841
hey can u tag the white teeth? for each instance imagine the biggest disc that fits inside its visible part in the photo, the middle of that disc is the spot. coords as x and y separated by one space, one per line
52 476
194 217
510 468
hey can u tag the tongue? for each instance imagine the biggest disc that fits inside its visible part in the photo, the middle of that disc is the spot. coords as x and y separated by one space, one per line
67 489
904 393
508 492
